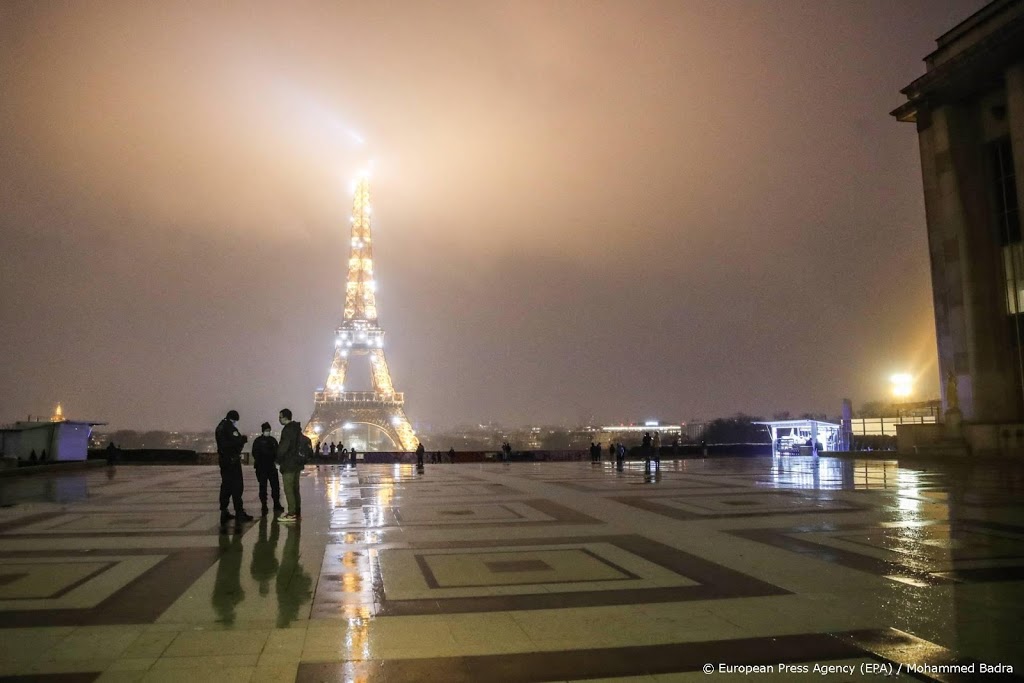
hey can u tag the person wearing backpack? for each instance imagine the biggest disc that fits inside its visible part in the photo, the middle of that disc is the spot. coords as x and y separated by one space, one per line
290 458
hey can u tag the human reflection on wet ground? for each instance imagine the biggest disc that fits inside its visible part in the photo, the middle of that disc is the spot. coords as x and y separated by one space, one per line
521 572
227 592
264 563
59 488
292 583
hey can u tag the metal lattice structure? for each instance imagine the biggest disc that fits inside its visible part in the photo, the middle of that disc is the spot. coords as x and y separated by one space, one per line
360 335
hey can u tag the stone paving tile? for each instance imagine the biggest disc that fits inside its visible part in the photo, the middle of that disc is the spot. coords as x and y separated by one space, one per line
723 555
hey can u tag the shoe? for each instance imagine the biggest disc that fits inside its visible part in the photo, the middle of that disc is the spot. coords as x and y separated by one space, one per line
244 516
225 516
287 519
278 509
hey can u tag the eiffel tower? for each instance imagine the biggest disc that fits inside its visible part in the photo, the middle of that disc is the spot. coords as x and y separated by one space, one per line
334 409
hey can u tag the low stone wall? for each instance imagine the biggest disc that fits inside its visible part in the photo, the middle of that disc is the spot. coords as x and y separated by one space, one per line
137 456
1005 440
10 467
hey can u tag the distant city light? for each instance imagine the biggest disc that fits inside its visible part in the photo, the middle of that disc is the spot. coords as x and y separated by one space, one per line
651 423
902 385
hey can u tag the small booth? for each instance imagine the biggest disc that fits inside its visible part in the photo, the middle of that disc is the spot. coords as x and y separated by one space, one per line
803 437
49 441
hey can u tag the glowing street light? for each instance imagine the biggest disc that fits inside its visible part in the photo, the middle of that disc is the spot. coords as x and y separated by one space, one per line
902 385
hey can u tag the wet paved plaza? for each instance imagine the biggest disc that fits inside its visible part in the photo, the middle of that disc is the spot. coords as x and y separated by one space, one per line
522 572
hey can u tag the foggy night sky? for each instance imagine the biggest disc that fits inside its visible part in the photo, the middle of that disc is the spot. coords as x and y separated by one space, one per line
608 210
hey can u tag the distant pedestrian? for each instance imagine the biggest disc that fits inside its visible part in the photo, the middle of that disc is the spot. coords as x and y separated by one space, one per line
229 456
319 449
645 450
420 450
656 448
352 456
264 456
451 454
612 450
340 452
289 458
506 450
334 450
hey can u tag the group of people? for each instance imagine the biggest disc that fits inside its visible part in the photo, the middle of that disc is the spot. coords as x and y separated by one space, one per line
33 458
616 451
268 455
650 451
331 450
438 456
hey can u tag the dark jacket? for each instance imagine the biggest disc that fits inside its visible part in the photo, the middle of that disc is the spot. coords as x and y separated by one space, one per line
229 443
288 458
264 452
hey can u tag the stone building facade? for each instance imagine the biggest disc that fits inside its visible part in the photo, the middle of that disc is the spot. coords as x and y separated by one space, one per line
969 111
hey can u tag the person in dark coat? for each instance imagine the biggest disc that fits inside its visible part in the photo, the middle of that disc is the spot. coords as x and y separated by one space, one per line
290 460
264 456
229 452
420 450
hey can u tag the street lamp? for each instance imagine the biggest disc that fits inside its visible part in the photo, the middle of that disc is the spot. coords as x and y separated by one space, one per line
902 385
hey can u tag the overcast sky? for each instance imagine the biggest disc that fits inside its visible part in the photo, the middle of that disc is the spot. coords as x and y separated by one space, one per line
583 210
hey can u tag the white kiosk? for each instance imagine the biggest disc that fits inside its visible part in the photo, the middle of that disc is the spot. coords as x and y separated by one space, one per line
803 437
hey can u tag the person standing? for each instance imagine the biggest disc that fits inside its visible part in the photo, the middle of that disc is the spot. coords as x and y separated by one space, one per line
656 446
290 461
420 450
264 455
229 457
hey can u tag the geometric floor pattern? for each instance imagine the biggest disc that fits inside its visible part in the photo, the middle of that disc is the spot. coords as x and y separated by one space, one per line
759 568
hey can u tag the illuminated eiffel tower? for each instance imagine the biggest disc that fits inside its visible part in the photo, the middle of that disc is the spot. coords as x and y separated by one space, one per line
335 410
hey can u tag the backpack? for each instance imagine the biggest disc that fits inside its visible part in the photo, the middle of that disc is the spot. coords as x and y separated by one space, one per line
305 449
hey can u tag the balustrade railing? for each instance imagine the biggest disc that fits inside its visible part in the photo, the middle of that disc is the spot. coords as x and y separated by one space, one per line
359 397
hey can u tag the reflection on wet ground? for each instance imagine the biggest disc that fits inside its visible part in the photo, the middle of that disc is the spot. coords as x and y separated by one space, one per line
522 572
62 488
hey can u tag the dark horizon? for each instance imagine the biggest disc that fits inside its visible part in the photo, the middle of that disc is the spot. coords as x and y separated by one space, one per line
620 212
